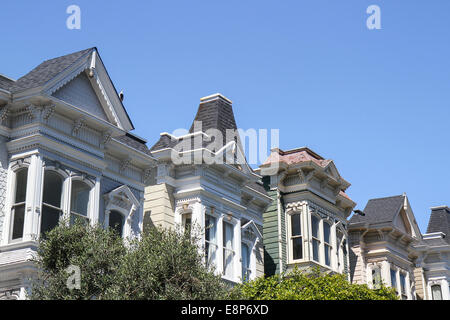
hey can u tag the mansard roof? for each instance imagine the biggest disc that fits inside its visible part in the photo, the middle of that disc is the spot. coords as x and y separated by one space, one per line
380 210
440 221
47 70
214 112
296 156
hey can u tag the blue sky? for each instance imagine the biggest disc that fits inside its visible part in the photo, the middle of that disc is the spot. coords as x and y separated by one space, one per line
377 102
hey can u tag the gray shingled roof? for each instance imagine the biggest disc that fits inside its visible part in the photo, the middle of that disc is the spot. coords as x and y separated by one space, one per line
6 83
214 114
380 210
47 70
134 143
440 221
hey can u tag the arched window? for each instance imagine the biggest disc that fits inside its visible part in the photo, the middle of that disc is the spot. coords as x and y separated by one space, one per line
79 202
315 237
296 236
51 201
327 242
116 222
436 292
18 207
246 251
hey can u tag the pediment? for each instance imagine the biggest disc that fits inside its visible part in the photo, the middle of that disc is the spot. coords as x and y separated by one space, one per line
80 93
86 86
332 171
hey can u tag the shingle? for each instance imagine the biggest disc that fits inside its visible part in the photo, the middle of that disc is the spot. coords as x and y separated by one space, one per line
380 210
213 114
440 221
6 83
133 142
47 70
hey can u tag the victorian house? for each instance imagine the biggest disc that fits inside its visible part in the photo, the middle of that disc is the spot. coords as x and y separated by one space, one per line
203 184
306 222
383 242
66 152
434 261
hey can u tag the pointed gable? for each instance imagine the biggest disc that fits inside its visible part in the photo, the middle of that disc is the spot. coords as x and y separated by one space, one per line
380 210
79 93
47 70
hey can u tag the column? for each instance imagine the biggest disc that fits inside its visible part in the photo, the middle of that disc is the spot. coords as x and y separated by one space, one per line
33 199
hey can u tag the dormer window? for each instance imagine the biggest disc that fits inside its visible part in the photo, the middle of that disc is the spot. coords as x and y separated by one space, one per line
18 207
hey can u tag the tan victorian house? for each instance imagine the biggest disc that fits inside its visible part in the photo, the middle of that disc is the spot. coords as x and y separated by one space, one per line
382 243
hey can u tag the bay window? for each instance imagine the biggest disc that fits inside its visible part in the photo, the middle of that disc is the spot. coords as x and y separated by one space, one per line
327 242
296 236
18 207
51 201
315 237
210 239
79 202
228 251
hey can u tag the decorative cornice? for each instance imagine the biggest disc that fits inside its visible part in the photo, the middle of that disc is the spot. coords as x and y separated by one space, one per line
78 125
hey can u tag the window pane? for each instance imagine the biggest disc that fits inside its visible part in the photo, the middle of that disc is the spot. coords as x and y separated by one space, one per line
50 219
296 226
245 262
297 248
19 215
394 279
80 198
402 282
315 226
436 292
116 222
78 218
326 232
21 185
327 255
316 250
228 236
52 189
210 226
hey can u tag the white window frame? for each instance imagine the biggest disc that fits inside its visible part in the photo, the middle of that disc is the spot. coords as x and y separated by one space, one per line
12 204
216 237
90 210
291 237
327 244
319 238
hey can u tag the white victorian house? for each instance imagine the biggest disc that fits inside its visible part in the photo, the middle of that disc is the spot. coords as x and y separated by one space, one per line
204 181
66 151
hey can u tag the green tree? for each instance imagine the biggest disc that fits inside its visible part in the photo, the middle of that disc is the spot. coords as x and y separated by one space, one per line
163 264
312 285
96 251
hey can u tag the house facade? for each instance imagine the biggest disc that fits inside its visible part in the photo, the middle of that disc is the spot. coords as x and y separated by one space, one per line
203 182
435 256
66 154
383 247
306 223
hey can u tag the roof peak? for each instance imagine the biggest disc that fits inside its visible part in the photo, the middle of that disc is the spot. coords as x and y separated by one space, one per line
215 96
297 150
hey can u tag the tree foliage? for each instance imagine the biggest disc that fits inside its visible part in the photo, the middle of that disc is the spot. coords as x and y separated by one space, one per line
312 285
163 264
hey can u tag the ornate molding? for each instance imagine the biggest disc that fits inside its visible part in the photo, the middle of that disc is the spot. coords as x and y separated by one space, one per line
124 164
78 125
4 112
106 137
48 112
